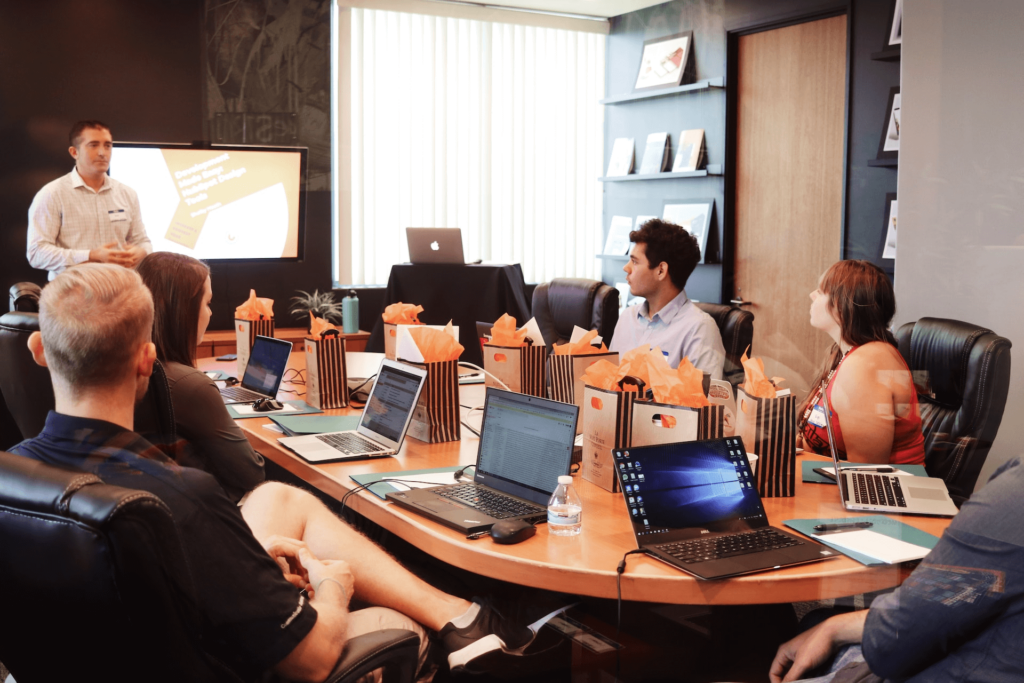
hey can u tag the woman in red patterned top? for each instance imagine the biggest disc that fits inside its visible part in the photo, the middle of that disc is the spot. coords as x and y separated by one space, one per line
875 416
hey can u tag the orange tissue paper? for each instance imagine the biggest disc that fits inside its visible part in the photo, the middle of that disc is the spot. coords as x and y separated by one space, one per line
255 308
402 314
602 375
581 347
437 345
688 390
317 327
755 383
504 332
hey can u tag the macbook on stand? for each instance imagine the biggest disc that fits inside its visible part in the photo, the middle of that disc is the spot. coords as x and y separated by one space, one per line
435 245
873 492
382 426
695 506
263 374
525 445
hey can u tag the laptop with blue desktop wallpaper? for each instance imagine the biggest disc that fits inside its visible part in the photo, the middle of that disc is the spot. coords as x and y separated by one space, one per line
263 374
695 506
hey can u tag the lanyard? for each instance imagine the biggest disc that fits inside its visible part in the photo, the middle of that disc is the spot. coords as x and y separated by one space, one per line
817 393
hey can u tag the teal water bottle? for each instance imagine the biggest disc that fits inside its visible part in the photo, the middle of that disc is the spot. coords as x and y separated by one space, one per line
350 313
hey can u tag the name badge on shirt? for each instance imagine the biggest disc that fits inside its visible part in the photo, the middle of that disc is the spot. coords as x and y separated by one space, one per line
117 215
817 417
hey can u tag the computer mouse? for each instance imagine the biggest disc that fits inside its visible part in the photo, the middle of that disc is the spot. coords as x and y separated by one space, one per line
509 531
266 405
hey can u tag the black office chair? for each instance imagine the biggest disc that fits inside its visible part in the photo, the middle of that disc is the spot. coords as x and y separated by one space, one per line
93 581
566 302
28 393
736 326
25 297
962 373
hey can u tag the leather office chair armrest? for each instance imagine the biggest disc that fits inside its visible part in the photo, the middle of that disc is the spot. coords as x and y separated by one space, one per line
396 651
25 297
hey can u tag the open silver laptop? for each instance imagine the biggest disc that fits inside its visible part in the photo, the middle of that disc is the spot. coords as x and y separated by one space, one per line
869 491
382 426
264 372
435 245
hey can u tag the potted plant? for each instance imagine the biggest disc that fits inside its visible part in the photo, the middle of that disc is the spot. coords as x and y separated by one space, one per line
320 305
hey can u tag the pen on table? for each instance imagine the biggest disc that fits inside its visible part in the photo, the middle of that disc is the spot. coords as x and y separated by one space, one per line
838 527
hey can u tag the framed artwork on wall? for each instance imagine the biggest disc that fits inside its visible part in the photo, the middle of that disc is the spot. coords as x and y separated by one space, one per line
694 216
665 62
895 25
889 241
889 145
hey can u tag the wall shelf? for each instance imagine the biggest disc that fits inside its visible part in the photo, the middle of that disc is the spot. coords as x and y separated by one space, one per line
712 169
890 55
613 257
707 84
887 163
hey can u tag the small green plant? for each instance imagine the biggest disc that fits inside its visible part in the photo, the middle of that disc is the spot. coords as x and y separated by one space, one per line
321 305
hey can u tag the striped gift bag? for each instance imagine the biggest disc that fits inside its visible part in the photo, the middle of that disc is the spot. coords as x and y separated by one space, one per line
521 368
246 332
436 417
326 375
607 424
567 377
768 429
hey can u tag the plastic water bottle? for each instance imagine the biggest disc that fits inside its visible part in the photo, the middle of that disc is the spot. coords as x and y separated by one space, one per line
350 313
565 510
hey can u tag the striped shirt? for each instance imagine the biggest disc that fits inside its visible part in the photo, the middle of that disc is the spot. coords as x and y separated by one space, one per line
68 218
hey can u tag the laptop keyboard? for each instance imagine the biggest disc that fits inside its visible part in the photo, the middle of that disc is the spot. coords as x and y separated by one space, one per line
350 444
870 489
240 394
719 547
497 505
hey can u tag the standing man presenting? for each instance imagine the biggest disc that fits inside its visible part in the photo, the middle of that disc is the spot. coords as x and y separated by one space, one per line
86 215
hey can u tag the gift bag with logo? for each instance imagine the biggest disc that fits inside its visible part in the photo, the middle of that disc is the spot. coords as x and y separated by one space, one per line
516 357
607 422
436 418
766 421
394 316
253 318
326 375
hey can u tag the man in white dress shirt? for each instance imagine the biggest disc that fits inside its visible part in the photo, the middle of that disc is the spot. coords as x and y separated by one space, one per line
86 215
663 257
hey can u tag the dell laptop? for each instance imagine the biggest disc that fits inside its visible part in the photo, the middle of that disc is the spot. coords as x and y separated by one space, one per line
262 378
382 427
435 245
873 492
695 506
525 445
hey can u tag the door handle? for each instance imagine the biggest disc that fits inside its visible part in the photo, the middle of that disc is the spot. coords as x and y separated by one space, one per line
740 302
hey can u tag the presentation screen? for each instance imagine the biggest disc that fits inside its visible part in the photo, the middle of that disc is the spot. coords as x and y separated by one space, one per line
219 202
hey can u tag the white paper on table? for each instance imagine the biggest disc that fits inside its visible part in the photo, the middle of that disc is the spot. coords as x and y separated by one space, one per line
533 332
246 409
422 481
878 546
853 468
405 347
577 334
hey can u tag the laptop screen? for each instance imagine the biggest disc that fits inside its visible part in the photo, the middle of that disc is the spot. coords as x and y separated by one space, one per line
684 490
266 366
393 397
525 444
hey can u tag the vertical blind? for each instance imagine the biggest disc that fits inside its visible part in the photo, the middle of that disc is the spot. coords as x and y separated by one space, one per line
492 128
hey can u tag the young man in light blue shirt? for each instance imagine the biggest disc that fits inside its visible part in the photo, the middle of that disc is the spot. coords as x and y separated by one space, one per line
663 257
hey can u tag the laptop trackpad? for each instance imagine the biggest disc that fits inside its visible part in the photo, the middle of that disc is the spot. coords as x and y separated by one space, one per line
440 506
926 494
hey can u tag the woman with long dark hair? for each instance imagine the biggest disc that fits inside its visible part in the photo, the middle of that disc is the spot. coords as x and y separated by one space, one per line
182 292
871 392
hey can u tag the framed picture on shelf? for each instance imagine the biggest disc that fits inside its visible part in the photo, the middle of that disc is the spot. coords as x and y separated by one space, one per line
694 216
665 62
889 241
889 145
895 25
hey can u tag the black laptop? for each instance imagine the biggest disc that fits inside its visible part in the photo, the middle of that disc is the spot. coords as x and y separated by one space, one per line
263 374
695 506
525 445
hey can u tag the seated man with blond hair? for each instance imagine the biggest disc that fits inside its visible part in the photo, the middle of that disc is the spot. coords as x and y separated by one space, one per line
248 563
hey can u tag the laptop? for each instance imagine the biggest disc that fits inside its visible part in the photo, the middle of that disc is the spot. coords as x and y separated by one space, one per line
263 374
525 445
435 245
383 424
893 493
695 505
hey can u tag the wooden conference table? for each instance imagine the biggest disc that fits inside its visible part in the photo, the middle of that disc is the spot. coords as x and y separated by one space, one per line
586 564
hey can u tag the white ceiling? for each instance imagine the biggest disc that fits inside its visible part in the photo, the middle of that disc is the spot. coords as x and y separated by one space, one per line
593 8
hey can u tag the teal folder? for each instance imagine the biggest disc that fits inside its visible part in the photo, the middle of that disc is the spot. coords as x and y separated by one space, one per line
302 407
383 488
300 425
880 524
809 475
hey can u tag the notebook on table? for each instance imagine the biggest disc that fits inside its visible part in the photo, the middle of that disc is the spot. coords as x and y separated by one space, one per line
435 245
875 492
382 426
525 445
263 374
695 505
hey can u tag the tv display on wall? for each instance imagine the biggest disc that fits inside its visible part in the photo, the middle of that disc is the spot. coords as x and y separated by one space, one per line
219 202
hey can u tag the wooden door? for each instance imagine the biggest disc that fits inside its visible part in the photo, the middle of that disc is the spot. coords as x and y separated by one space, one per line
791 89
